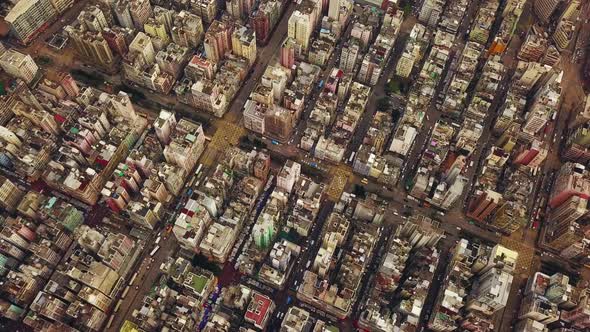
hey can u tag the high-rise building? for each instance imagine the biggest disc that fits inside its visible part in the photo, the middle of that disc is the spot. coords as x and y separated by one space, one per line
263 233
19 65
413 51
545 8
571 180
509 217
563 235
370 69
93 18
570 210
350 54
279 123
239 9
133 13
187 29
244 43
119 38
564 34
164 125
165 16
578 143
536 119
529 73
289 175
534 46
140 10
484 204
265 18
492 291
302 23
290 50
199 67
10 194
206 9
261 24
142 44
28 18
69 85
533 155
363 33
430 12
186 145
339 10
156 30
173 59
61 5
91 45
539 308
218 41
454 191
86 32
123 13
580 315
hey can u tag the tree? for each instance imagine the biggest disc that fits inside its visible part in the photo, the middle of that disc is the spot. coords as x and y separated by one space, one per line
395 115
393 86
383 104
202 262
407 9
359 191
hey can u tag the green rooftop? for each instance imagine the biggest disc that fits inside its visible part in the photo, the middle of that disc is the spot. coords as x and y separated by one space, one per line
128 327
51 202
199 283
332 328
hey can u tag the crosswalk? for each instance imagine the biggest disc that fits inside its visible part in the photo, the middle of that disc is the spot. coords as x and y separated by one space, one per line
226 135
340 178
526 255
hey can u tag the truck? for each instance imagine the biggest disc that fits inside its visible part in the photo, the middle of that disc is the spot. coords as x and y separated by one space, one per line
321 84
274 142
155 250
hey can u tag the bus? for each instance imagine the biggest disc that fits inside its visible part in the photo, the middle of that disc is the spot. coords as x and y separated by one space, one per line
207 139
158 240
133 279
110 321
351 157
125 292
199 169
154 251
118 305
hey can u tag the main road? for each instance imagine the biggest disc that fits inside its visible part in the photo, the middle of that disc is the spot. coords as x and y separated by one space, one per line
433 114
264 56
